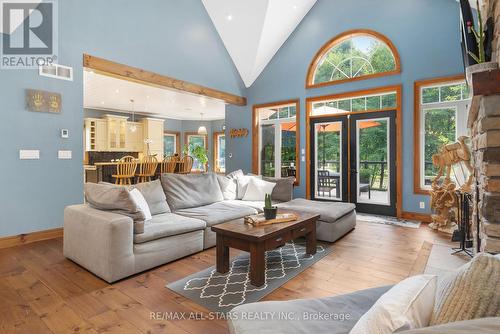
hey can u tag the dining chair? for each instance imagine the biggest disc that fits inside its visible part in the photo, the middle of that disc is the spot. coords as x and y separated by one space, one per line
186 164
147 168
125 170
168 164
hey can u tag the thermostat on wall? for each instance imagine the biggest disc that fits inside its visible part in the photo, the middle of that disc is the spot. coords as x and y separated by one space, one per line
64 133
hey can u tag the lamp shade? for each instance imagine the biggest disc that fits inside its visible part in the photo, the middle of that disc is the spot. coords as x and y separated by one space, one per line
202 130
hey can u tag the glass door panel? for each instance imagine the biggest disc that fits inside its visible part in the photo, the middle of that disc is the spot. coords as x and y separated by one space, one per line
329 159
267 153
373 155
288 149
373 162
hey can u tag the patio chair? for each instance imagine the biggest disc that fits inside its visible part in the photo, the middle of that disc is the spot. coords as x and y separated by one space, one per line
326 183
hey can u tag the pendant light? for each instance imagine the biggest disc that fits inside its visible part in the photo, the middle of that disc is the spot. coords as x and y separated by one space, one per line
133 126
202 130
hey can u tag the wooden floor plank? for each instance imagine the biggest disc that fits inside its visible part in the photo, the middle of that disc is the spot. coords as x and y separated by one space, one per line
42 292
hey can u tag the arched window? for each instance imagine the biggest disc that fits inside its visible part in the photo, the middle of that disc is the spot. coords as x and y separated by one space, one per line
353 55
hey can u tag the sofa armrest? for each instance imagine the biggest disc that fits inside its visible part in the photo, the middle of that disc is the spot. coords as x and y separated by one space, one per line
100 241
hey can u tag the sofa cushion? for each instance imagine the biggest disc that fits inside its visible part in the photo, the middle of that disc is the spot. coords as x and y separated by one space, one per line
141 203
283 191
469 293
228 186
166 225
482 325
407 305
217 213
330 211
154 195
191 190
115 199
335 315
235 174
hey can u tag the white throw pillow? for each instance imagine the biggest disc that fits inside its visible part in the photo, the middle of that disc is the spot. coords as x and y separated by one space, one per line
407 305
228 186
257 189
243 183
139 199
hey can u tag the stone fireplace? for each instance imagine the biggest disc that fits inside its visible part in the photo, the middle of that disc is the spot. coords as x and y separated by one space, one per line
484 121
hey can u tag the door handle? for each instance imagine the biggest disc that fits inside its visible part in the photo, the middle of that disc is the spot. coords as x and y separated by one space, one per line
279 239
354 171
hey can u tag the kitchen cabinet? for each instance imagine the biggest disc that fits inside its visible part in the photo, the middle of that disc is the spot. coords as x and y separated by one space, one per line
96 133
135 141
117 132
153 136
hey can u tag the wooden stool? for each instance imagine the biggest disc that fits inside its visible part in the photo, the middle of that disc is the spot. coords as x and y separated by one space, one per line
125 170
147 168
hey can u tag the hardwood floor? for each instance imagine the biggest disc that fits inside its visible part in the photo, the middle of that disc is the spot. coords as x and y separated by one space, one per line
42 292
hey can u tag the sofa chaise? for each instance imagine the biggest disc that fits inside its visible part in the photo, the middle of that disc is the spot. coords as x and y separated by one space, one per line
110 237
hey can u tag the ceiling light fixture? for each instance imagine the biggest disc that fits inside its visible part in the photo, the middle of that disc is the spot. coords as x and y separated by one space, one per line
229 17
133 126
295 7
117 91
202 130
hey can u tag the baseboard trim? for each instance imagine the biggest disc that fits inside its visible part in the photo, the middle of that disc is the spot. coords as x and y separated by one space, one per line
423 217
26 238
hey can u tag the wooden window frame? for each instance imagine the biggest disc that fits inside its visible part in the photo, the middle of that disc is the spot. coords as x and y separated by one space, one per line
417 86
339 39
216 134
205 145
177 135
399 134
255 134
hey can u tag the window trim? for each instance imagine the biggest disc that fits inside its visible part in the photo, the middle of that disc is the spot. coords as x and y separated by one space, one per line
216 136
417 126
205 145
340 38
256 134
177 136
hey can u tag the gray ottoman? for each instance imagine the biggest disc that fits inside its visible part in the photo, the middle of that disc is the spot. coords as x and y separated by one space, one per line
336 218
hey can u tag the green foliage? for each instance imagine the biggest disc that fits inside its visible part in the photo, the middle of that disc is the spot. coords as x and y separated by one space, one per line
480 38
355 57
268 204
440 129
365 175
197 151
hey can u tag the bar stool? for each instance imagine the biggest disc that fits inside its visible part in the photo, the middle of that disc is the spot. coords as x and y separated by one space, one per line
147 168
125 170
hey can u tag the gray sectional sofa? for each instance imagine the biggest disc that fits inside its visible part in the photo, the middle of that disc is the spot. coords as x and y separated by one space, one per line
110 237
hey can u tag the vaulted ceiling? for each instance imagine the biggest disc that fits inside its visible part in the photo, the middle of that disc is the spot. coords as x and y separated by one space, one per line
253 31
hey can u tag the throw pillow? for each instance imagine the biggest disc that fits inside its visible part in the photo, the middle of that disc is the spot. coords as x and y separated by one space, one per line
283 191
407 305
243 183
116 199
257 190
228 186
141 203
235 174
155 196
472 292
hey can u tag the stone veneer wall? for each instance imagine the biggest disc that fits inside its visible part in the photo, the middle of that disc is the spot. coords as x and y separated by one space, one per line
484 120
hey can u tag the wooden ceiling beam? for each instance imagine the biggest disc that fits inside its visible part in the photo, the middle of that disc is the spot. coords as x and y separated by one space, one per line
125 72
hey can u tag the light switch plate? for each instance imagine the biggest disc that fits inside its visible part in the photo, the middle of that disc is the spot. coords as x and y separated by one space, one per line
303 159
64 155
422 205
29 154
303 151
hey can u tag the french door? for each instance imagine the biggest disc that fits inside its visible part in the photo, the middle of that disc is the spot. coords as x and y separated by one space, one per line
353 159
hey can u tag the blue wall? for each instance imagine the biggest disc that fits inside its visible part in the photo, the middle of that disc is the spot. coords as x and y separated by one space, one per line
175 38
425 32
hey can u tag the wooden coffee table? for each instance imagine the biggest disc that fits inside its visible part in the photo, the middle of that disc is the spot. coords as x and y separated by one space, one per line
258 239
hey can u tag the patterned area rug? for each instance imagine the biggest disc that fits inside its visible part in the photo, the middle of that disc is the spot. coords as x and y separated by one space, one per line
387 220
222 292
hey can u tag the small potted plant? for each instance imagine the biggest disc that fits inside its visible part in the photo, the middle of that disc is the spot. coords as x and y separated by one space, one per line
270 211
482 64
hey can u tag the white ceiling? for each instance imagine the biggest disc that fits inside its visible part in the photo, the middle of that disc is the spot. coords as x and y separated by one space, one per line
108 93
253 31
